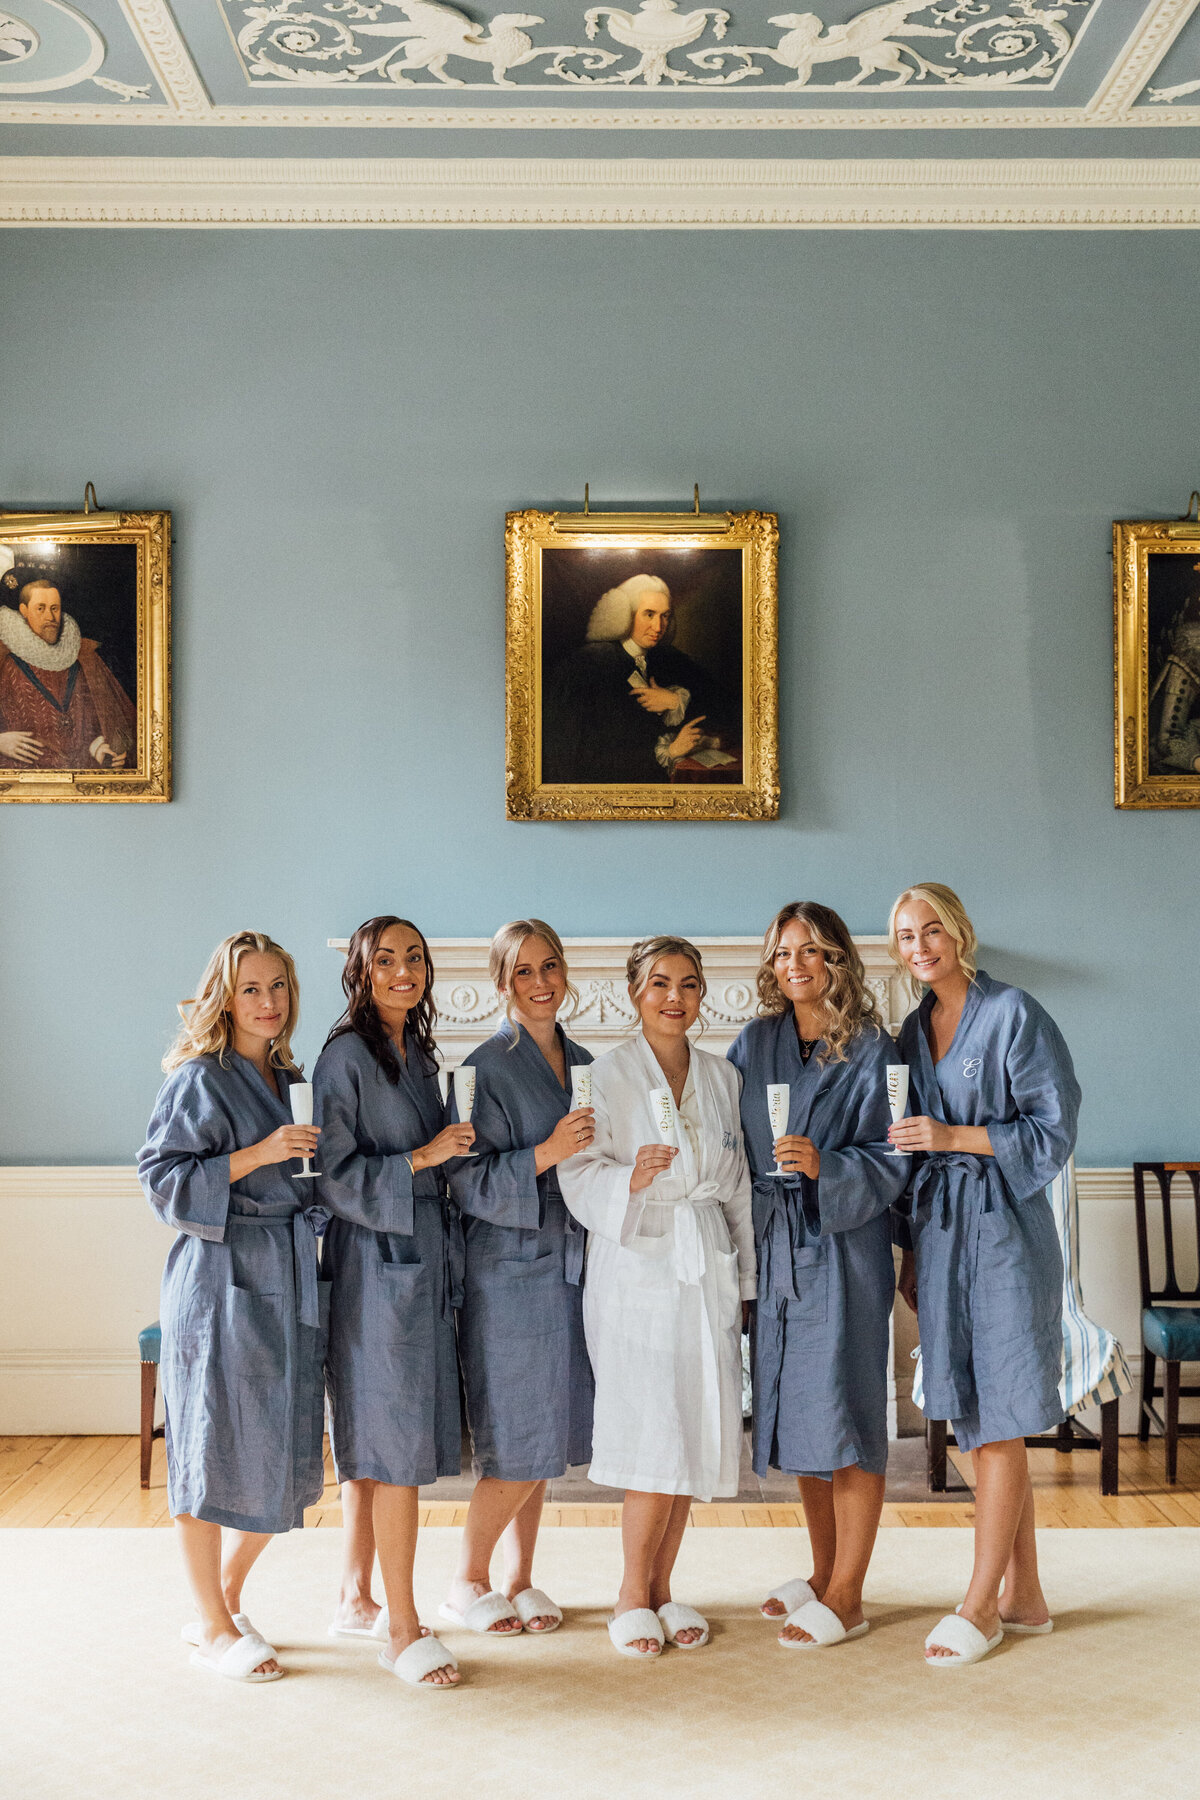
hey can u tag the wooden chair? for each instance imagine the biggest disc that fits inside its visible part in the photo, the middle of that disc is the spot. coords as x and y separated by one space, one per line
150 1350
1170 1313
1094 1370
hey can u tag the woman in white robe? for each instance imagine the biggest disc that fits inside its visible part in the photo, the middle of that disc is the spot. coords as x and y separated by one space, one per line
670 1274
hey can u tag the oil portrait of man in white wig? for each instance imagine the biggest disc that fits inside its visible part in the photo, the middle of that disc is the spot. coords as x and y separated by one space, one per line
641 667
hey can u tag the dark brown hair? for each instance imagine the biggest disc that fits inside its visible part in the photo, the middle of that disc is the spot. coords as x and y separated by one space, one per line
361 1015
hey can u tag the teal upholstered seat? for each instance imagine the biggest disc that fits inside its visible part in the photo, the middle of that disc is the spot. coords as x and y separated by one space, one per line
150 1343
150 1352
1172 1332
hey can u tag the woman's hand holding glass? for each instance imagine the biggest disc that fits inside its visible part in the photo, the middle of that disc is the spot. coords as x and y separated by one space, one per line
798 1156
454 1140
284 1144
650 1162
569 1137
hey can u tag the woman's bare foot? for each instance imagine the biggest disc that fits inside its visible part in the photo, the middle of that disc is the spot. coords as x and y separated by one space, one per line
643 1646
464 1593
355 1612
775 1609
683 1638
539 1621
400 1639
1024 1606
214 1644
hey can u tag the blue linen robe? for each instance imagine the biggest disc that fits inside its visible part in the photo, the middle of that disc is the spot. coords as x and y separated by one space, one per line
525 1368
242 1308
825 1272
393 1253
989 1266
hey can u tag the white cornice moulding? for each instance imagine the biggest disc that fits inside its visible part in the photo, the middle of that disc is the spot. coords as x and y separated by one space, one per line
524 193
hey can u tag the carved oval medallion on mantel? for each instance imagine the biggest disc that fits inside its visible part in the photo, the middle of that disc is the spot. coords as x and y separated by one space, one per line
469 1010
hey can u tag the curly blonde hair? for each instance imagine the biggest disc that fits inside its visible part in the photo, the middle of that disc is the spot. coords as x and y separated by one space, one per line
953 915
505 954
207 1028
847 1005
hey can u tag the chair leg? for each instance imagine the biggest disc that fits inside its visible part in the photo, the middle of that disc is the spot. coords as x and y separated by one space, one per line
1109 1442
1171 1387
1148 1363
935 1455
149 1385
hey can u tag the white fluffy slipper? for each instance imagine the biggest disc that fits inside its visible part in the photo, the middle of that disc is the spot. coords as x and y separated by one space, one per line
532 1603
482 1614
965 1641
240 1662
1027 1630
822 1625
376 1632
419 1660
676 1617
793 1595
640 1623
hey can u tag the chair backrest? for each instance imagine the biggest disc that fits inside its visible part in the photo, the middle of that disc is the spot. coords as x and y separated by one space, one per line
1163 1173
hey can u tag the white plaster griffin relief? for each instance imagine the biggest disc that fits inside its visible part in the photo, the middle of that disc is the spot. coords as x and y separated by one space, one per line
963 44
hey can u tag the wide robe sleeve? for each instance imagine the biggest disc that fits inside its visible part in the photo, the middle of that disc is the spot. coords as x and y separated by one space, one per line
184 1164
1032 1148
499 1183
373 1191
859 1180
595 1184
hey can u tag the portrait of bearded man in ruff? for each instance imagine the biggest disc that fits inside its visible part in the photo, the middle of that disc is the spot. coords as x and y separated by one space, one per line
61 705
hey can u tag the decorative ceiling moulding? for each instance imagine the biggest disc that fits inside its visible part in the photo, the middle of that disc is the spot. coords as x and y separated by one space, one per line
999 194
1012 61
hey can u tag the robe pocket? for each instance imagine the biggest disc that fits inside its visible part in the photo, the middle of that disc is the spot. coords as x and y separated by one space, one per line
522 1297
407 1295
810 1272
729 1293
254 1332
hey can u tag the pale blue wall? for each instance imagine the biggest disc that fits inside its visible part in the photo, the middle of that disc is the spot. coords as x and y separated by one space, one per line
946 424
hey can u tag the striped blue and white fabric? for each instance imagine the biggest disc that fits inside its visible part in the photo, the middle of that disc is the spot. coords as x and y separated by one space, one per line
1094 1368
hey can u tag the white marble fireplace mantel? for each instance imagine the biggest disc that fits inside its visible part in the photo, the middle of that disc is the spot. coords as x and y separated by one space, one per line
469 1010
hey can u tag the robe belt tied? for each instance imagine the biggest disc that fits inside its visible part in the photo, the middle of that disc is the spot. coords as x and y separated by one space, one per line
303 1227
454 1257
690 1263
781 1230
939 1165
574 1241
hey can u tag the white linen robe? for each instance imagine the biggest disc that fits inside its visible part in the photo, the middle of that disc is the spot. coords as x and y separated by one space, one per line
667 1270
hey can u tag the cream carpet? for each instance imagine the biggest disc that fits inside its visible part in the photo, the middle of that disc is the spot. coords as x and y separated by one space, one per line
97 1698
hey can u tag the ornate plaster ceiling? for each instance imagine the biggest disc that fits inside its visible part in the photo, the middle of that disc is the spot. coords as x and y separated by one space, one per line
313 64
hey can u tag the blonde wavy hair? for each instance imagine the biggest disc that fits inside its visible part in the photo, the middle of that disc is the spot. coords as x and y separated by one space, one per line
847 1005
953 915
207 1028
639 964
505 954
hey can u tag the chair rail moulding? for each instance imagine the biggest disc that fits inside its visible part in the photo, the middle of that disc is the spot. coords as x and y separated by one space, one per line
638 194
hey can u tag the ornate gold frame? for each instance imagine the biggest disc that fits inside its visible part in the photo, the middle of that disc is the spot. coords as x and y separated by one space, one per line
150 779
756 535
1134 541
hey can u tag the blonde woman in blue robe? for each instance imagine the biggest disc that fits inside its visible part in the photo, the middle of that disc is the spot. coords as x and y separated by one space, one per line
670 1278
241 1303
994 1106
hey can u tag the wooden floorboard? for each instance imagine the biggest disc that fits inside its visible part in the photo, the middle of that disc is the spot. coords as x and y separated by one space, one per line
66 1482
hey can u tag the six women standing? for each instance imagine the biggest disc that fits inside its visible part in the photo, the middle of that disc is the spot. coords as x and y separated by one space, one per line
658 1177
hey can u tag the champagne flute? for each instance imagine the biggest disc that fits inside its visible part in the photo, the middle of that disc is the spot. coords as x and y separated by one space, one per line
779 1101
897 1093
464 1096
581 1086
662 1105
301 1096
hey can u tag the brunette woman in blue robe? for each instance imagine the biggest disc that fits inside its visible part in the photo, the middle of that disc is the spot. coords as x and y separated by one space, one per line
525 1368
393 1253
241 1303
826 1278
995 1104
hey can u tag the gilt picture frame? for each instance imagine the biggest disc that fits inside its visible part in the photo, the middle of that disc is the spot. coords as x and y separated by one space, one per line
1156 662
85 659
641 665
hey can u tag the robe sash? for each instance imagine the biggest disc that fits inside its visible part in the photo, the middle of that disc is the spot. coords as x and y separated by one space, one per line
303 1228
